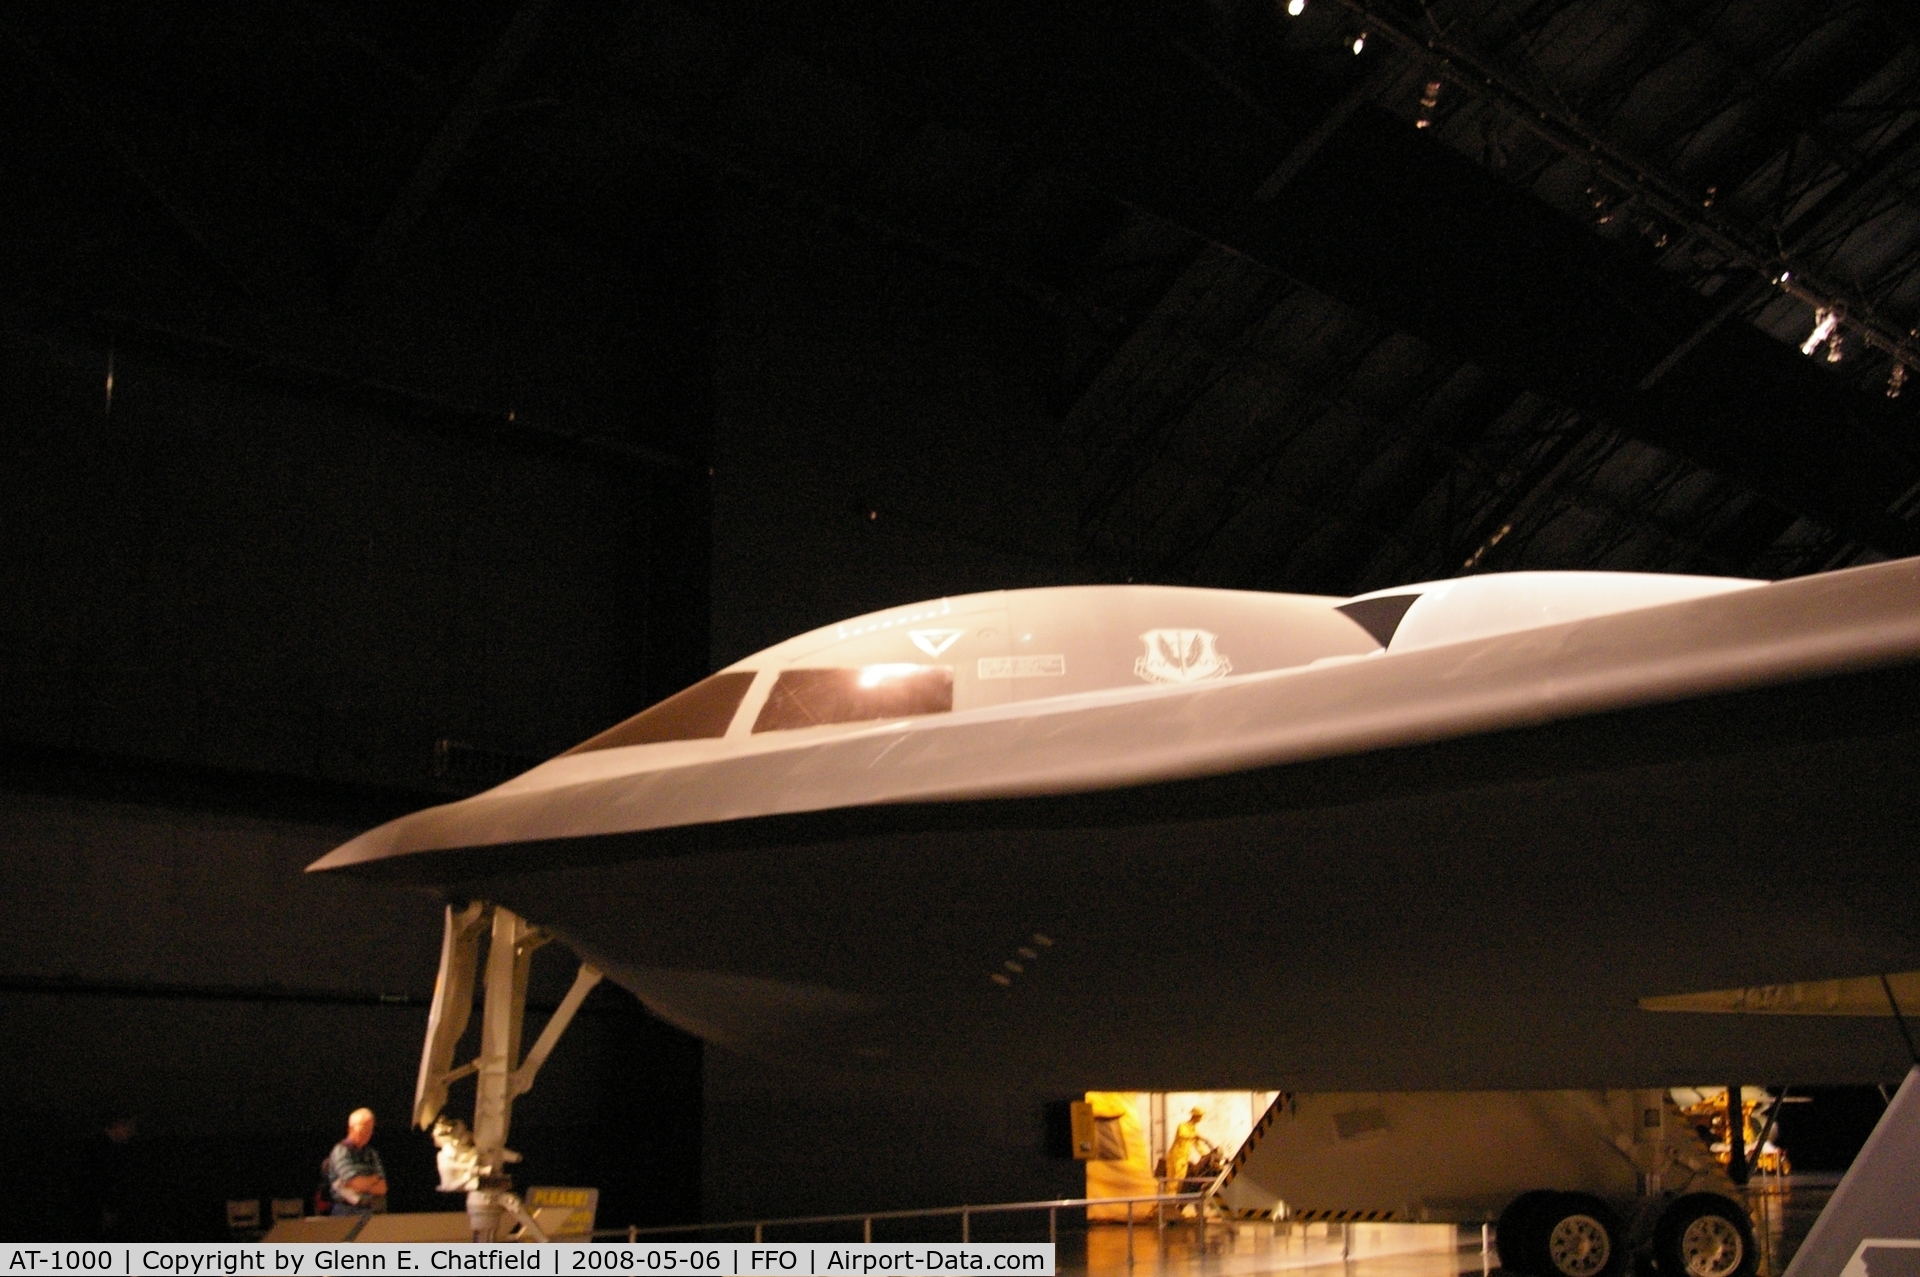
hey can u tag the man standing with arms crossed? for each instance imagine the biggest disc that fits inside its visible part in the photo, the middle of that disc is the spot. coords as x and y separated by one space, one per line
354 1172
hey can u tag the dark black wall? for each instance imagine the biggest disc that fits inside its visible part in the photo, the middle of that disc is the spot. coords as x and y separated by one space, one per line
1825 1132
257 601
244 577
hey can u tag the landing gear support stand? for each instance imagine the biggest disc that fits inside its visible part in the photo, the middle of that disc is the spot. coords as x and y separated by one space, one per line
477 1162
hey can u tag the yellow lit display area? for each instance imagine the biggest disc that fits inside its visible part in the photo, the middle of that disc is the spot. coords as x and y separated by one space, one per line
1135 1131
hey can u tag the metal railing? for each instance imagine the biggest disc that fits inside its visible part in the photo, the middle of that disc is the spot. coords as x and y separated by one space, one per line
1464 1239
965 1214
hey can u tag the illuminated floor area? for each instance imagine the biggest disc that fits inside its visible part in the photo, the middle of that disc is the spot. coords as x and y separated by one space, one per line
1229 1250
1783 1212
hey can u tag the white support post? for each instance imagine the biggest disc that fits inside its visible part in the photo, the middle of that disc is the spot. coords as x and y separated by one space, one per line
509 956
522 1080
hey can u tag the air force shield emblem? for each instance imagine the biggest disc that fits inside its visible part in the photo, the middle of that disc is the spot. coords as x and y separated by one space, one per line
1180 656
933 642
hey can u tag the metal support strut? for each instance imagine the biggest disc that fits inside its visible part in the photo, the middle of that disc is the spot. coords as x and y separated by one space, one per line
1736 1138
477 1162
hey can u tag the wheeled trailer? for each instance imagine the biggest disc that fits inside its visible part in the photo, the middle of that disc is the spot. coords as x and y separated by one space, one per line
1577 1183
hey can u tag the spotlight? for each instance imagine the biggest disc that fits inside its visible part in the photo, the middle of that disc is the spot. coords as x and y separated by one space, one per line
1296 7
1896 379
1359 43
1826 319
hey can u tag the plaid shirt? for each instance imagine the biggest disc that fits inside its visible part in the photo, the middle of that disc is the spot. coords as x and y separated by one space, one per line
347 1162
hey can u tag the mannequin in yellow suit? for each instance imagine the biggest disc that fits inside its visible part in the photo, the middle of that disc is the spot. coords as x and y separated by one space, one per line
1188 1147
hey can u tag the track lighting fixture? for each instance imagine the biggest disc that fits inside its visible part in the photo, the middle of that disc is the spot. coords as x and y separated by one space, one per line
1622 194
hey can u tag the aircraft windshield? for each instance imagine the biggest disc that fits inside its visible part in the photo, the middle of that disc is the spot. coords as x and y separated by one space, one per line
702 712
810 698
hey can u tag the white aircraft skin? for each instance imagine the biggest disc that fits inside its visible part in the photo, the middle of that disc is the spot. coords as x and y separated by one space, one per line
1170 838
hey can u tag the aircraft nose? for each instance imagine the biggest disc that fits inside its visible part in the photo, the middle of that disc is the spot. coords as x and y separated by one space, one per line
375 844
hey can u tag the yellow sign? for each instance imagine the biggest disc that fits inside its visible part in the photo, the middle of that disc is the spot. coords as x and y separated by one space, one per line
580 1203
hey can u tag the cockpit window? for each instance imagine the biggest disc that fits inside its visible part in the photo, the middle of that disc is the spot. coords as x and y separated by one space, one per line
810 698
702 712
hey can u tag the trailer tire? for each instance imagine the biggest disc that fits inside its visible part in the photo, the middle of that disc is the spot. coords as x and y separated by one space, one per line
1580 1236
1705 1235
1519 1236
